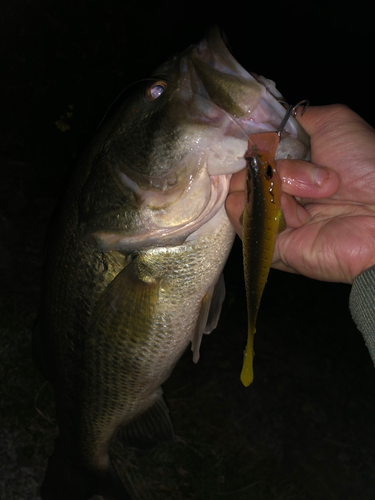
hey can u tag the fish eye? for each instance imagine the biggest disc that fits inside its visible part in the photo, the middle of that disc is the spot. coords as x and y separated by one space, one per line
155 90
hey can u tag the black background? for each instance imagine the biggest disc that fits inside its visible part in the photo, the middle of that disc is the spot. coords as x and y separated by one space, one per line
304 429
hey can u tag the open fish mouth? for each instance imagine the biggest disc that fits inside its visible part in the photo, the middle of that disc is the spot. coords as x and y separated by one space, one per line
253 102
161 236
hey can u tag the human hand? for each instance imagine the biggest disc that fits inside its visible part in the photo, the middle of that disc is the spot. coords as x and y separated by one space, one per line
330 232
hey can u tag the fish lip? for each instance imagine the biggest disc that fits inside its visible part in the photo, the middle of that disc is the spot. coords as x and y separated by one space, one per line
214 34
214 50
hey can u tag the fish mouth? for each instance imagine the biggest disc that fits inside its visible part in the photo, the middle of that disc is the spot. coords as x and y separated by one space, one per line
221 105
162 236
257 105
217 91
214 50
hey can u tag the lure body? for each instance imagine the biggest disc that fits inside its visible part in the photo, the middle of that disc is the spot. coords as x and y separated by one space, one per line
262 219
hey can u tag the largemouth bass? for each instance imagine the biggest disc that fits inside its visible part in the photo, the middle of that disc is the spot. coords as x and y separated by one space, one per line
133 272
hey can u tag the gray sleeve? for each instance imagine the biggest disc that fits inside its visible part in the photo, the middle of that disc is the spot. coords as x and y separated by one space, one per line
362 307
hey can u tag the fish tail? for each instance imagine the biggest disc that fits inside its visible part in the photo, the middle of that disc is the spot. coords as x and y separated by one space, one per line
66 479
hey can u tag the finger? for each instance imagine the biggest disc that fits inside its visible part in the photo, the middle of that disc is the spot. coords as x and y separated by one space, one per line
301 185
238 181
343 141
326 118
280 266
235 205
294 214
307 180
313 116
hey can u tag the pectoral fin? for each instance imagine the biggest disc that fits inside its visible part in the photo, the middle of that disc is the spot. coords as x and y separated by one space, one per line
120 330
209 314
216 305
127 299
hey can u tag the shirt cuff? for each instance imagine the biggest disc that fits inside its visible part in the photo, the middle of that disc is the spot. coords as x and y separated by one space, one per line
362 307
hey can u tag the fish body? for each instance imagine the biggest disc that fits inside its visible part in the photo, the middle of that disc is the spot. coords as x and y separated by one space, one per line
133 272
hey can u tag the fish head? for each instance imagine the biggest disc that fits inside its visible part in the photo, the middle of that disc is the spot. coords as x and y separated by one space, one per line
170 144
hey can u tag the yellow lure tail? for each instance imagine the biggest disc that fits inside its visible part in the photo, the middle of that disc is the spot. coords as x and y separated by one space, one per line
261 220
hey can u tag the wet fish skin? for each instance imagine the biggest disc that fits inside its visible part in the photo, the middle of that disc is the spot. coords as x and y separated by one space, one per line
149 194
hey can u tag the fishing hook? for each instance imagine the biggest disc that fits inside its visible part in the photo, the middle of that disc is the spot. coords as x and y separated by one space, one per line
291 110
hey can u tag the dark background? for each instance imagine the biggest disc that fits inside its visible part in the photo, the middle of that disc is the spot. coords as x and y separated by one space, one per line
304 428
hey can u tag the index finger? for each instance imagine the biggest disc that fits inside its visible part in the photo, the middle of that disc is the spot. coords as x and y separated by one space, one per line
316 117
344 142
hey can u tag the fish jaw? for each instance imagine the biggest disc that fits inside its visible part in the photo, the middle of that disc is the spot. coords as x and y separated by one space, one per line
152 234
255 104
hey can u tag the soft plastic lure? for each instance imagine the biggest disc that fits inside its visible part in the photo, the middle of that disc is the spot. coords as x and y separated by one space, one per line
262 220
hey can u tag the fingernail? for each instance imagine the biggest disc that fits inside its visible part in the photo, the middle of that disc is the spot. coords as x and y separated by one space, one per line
320 176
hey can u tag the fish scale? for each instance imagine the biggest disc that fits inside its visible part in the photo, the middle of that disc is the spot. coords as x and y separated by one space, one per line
124 358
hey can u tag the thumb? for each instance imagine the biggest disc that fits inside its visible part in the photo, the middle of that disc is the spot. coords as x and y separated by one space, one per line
307 180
